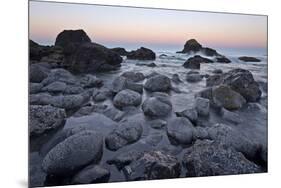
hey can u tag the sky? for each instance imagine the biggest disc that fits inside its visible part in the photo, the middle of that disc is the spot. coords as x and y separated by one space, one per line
157 29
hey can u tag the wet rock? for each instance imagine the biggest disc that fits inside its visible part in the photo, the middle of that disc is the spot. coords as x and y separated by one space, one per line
217 71
158 83
71 39
230 116
176 79
180 130
60 75
194 78
157 123
194 62
74 153
224 96
153 165
133 76
120 83
134 87
127 98
126 133
190 114
202 106
87 110
214 80
125 158
157 106
249 59
45 118
205 93
35 88
120 51
146 64
209 51
102 94
37 73
89 81
222 59
207 158
142 54
55 87
91 174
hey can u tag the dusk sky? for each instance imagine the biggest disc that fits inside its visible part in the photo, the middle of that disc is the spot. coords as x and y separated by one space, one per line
153 28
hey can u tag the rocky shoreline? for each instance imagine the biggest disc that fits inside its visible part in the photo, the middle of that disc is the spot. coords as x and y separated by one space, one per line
87 128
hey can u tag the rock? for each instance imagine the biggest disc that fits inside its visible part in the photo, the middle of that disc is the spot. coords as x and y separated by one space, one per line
126 133
142 54
146 64
91 174
89 81
125 158
60 75
45 118
249 59
74 153
127 98
162 55
214 80
205 93
194 78
230 116
62 101
190 114
222 59
224 96
157 123
176 79
229 137
202 106
206 158
242 81
87 110
133 76
102 94
209 51
195 61
92 57
35 88
158 83
157 106
120 51
69 40
55 87
120 83
36 51
217 71
180 130
191 46
37 73
153 165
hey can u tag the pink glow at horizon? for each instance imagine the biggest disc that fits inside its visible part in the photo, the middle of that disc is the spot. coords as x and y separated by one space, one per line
122 25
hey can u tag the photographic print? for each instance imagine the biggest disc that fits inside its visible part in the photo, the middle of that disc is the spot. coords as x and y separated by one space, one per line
121 94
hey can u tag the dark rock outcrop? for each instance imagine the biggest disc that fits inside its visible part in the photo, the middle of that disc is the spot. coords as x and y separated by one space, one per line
249 59
222 59
36 51
73 153
45 118
142 54
120 51
195 61
207 158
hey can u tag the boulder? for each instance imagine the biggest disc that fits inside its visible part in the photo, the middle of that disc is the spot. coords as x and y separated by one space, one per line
89 81
60 75
45 118
180 131
157 106
214 80
127 98
55 87
120 83
74 153
224 96
190 114
92 57
37 73
191 46
222 59
91 174
202 106
176 79
35 88
207 158
230 116
120 51
153 165
142 54
249 59
133 76
102 94
69 40
193 78
158 83
126 133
